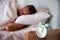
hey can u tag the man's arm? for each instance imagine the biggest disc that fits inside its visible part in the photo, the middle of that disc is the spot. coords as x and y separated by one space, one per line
14 26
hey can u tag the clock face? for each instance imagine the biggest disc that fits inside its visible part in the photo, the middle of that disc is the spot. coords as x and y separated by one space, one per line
41 31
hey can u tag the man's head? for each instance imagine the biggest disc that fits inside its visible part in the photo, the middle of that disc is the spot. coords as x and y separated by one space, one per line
29 9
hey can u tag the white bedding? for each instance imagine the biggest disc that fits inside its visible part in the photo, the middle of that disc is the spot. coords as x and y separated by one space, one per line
17 35
33 19
10 13
6 17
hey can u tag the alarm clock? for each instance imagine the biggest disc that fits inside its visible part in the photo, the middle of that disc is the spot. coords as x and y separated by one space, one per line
42 30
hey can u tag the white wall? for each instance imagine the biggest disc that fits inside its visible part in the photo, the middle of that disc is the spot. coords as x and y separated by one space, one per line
59 16
51 4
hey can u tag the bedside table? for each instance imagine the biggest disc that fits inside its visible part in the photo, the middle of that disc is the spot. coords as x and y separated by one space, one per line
53 35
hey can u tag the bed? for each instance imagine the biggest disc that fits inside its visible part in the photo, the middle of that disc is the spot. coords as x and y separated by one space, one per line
20 34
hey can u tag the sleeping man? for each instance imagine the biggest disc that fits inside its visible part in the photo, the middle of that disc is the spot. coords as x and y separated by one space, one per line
27 10
11 14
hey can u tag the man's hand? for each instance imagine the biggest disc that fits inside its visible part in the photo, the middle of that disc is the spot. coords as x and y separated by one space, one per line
14 26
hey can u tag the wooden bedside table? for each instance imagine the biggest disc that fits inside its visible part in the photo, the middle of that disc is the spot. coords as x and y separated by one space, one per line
53 35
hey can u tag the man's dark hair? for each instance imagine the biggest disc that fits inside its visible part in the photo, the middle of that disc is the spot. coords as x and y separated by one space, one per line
31 9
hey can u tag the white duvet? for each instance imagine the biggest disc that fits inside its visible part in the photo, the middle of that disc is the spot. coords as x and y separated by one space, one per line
8 14
17 35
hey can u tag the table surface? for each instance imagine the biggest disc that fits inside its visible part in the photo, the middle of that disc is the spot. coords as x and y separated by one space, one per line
53 35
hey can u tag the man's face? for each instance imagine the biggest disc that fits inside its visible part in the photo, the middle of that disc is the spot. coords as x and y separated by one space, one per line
24 11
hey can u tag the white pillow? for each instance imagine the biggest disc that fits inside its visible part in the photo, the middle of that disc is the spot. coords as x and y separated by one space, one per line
33 19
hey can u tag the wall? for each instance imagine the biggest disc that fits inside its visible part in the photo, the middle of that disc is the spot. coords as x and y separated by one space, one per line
59 16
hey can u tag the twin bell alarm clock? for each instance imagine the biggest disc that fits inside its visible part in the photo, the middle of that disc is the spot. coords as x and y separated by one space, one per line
42 30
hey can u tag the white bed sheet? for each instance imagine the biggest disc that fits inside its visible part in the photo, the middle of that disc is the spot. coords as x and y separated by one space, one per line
17 35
